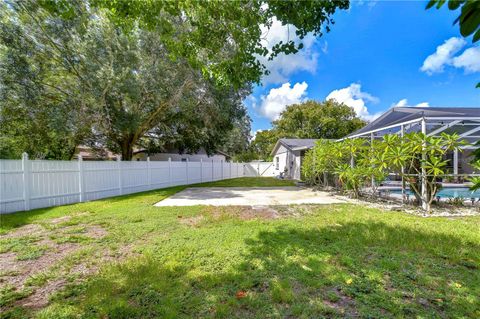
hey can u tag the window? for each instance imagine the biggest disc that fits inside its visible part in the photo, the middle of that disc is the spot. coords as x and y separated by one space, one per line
184 159
277 164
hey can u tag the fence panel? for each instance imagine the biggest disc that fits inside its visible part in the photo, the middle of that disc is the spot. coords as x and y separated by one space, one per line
28 184
11 186
194 169
100 179
53 183
160 174
265 169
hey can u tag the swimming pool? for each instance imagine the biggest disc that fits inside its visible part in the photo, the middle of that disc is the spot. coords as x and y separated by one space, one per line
449 192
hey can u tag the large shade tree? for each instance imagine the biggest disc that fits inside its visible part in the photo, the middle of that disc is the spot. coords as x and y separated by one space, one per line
211 28
310 119
132 90
313 119
123 74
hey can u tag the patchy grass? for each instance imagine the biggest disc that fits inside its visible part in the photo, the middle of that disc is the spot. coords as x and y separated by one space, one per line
306 262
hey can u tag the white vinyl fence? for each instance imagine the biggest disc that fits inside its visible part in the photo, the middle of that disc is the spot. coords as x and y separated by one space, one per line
28 184
266 169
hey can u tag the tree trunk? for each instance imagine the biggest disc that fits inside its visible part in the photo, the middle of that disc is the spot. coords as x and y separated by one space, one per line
127 149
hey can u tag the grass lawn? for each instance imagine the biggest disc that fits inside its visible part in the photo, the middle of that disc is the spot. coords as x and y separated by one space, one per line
124 258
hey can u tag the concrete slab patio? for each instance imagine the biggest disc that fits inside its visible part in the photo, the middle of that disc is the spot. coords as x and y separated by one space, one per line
248 196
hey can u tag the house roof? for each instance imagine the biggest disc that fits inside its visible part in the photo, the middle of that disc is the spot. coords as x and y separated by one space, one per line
295 144
175 151
398 115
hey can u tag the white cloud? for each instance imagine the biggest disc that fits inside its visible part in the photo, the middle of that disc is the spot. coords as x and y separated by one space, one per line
251 101
282 66
423 104
469 60
325 47
404 102
369 3
278 98
253 134
435 62
355 98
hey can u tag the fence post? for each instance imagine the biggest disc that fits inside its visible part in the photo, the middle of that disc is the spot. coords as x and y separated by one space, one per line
119 168
186 165
213 175
169 171
221 162
149 173
230 169
81 183
26 180
201 170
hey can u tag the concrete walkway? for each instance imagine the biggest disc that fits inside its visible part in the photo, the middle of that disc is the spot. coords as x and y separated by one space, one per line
248 196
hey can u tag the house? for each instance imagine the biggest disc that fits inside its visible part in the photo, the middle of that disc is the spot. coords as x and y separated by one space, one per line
175 155
103 154
89 154
432 121
288 155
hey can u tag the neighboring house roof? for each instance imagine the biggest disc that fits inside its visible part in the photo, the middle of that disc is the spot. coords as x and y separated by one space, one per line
88 153
223 153
397 115
295 144
176 152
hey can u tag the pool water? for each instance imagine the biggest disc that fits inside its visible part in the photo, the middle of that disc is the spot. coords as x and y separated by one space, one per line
449 192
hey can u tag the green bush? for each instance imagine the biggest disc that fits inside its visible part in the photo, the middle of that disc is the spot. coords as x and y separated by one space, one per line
357 163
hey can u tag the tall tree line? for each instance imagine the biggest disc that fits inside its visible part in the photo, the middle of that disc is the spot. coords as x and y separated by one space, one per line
310 119
127 74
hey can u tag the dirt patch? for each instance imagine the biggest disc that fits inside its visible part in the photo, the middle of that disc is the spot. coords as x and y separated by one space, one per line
262 212
95 231
39 298
48 270
60 220
191 221
241 212
342 303
20 270
27 230
255 212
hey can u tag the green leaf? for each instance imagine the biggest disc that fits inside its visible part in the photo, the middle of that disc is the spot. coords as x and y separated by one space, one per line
430 4
455 4
476 36
469 19
440 3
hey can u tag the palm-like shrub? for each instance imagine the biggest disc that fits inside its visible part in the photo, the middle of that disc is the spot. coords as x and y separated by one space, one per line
356 163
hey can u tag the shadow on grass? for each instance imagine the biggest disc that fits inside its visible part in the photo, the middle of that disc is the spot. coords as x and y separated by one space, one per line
350 270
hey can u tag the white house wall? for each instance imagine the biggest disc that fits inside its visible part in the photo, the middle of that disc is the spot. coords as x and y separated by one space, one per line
291 160
280 160
296 158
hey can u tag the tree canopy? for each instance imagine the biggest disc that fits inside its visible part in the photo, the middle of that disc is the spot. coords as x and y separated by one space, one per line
310 119
222 38
126 74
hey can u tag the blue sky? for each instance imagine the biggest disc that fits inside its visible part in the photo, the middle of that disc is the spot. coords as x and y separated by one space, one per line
377 55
